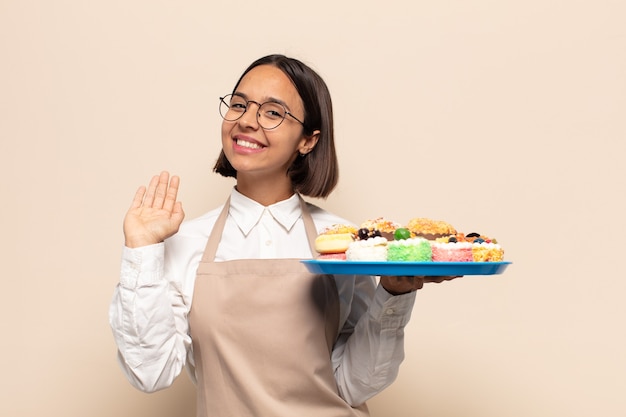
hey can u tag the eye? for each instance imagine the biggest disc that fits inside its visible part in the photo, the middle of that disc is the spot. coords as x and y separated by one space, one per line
272 111
273 114
237 103
238 106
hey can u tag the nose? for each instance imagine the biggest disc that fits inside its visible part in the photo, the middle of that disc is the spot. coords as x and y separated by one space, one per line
250 118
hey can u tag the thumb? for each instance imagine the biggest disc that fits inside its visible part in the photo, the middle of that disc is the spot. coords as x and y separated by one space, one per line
178 211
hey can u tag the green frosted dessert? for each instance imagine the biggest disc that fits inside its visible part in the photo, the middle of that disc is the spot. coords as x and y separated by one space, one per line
410 250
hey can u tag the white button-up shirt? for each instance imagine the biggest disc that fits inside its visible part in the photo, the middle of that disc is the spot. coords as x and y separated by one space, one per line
148 313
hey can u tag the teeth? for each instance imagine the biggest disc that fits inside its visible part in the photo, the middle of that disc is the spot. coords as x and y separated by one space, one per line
247 144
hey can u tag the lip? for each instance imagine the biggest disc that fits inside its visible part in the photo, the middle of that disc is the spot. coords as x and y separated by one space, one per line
246 144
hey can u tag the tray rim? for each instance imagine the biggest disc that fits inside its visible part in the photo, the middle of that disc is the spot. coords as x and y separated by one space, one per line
345 267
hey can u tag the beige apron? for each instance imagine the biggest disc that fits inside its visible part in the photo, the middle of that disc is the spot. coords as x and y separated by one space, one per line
263 331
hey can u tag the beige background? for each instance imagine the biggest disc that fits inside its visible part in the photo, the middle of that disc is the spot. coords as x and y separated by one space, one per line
506 118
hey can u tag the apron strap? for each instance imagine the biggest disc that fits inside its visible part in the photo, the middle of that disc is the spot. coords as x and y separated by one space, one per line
309 225
216 234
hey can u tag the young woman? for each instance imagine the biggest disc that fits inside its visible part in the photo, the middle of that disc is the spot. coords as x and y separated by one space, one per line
226 295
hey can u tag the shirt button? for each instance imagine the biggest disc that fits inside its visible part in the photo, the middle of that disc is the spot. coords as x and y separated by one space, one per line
389 311
268 242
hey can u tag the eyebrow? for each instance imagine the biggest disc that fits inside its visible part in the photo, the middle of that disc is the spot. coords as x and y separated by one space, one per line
268 100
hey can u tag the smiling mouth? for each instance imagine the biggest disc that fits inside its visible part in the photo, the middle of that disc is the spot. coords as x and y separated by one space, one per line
249 145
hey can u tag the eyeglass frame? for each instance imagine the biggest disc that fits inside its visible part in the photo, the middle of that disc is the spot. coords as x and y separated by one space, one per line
287 112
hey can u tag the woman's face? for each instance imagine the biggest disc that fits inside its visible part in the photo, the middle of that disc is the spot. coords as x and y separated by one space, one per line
253 150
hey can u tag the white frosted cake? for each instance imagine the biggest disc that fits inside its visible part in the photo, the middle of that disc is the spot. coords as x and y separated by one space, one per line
372 249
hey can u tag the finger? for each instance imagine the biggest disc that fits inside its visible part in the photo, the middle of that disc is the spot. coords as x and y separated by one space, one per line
161 189
414 282
172 192
410 280
148 200
440 279
418 283
138 199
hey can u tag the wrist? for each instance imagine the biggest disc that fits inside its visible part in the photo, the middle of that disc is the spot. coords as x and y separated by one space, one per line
399 285
139 241
394 293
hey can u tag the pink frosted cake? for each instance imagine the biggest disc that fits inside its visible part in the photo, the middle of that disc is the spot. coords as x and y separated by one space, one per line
452 251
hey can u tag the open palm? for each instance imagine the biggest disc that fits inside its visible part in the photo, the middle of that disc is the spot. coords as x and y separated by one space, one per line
154 214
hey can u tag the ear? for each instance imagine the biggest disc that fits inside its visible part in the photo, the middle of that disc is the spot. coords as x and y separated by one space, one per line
308 142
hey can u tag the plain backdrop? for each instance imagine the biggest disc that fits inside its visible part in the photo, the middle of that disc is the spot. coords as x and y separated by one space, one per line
502 117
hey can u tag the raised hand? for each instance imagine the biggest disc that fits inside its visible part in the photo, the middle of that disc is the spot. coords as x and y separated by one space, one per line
154 214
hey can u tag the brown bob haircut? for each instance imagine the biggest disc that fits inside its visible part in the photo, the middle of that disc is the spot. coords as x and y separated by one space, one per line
316 173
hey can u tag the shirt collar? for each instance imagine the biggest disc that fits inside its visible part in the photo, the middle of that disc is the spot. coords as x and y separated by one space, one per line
247 213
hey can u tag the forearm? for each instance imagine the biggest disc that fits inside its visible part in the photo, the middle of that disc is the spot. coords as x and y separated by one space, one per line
147 316
368 359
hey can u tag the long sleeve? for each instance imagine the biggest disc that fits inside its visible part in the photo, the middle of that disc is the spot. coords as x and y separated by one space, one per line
148 319
370 347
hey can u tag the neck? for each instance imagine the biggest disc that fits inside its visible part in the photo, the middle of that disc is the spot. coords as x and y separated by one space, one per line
265 193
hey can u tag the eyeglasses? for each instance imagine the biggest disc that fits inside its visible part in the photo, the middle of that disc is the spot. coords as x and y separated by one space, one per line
269 114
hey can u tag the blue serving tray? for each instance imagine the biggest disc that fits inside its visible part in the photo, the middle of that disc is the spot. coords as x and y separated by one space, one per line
338 267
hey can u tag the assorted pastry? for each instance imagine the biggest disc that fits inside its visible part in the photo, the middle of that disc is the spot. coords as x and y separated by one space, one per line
420 240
